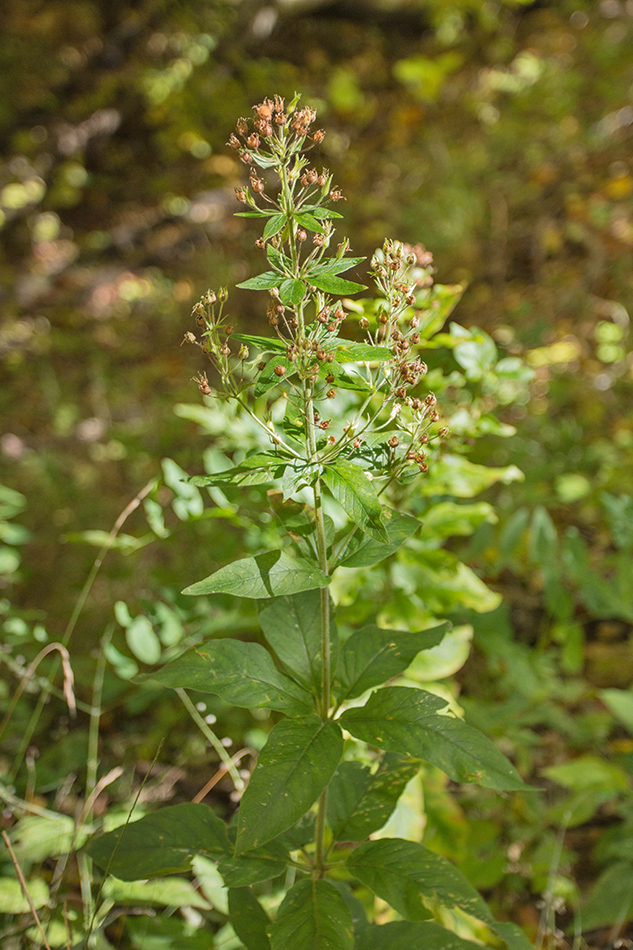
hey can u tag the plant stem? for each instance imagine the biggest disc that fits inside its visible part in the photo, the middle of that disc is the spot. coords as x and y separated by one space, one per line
325 619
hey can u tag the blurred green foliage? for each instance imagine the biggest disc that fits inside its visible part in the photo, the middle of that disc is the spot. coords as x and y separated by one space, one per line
499 133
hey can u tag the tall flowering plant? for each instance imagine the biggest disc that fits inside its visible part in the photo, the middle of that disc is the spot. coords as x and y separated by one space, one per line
347 423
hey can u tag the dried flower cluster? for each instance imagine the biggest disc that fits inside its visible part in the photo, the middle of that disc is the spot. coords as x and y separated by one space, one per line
308 305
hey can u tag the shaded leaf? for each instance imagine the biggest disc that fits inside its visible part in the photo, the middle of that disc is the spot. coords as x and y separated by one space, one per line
373 655
256 866
293 768
248 919
162 843
272 574
241 673
410 935
292 627
404 873
611 901
360 803
313 916
399 719
262 342
364 551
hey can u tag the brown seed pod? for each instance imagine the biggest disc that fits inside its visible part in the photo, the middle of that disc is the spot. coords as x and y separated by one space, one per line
280 370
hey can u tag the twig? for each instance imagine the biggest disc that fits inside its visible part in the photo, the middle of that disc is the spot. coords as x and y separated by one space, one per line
213 781
25 891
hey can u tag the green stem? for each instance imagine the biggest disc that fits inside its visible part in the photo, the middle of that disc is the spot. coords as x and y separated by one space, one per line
209 734
320 850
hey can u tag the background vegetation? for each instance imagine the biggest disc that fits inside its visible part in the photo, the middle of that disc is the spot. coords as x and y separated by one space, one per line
499 134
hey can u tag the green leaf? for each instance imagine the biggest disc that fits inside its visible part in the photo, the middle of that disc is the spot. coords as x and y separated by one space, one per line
309 221
406 874
362 353
260 213
446 519
265 281
476 356
12 899
143 641
264 465
411 935
169 891
241 673
357 496
336 285
611 901
272 574
292 291
292 627
322 212
313 916
248 919
620 703
294 767
279 261
373 655
363 551
268 378
255 867
162 843
274 225
399 719
337 265
262 342
360 803
455 475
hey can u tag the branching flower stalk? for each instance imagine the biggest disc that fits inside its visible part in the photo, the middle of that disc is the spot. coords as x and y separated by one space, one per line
306 314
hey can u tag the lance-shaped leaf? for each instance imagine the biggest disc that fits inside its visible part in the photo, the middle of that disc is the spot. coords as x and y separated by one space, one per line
248 919
337 265
256 866
241 673
410 935
162 843
292 627
312 916
335 285
399 719
262 342
406 874
262 465
373 655
272 574
292 291
363 551
357 496
274 225
293 768
265 281
309 221
362 353
360 803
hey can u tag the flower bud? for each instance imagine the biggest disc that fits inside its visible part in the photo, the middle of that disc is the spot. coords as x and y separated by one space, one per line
280 370
301 235
331 393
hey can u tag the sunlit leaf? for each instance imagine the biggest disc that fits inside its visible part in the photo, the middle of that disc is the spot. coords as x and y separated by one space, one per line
357 496
272 574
